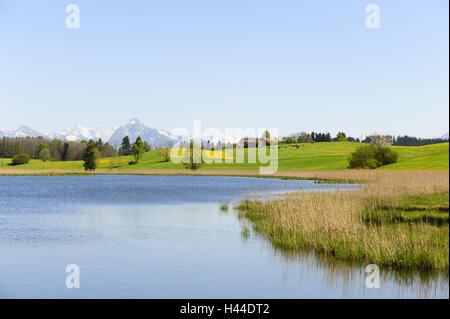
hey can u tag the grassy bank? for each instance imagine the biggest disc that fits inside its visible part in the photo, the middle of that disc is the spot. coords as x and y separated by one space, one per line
396 220
305 157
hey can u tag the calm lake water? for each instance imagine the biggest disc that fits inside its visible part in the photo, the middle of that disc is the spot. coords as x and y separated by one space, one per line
164 237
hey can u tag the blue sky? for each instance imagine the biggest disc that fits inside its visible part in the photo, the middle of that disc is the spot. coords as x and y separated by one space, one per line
293 65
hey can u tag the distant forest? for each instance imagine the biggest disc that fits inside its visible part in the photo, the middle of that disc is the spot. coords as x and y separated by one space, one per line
60 150
314 137
410 140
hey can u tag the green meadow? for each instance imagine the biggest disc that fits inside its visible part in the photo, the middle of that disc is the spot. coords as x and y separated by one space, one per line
310 156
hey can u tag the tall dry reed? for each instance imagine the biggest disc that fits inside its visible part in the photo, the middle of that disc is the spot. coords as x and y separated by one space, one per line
334 222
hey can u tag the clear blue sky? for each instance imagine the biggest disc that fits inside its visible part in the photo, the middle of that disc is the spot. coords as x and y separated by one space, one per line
294 65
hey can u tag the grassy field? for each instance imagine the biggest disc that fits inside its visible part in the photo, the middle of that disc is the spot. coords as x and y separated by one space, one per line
424 157
398 219
306 157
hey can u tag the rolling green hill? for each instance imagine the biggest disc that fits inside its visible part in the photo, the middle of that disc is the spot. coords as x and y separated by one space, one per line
316 156
421 157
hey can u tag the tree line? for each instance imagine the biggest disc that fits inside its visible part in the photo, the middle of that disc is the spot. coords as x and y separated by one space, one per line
48 149
317 137
414 141
406 140
92 154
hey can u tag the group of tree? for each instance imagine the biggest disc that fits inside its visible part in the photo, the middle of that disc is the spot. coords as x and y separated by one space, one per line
93 154
94 151
21 150
406 140
376 154
50 149
314 137
321 137
415 141
137 149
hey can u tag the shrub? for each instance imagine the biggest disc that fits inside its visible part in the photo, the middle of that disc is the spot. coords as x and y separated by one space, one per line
363 157
192 165
372 156
385 155
20 159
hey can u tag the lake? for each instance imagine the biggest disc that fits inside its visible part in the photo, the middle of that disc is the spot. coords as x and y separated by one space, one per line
165 237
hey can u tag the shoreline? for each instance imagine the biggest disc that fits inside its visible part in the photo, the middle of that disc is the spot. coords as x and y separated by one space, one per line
397 222
325 176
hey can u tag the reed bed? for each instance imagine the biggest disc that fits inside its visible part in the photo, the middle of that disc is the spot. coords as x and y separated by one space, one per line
224 207
398 219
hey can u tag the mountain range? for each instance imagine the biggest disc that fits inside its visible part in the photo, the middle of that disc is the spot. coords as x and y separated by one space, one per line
133 129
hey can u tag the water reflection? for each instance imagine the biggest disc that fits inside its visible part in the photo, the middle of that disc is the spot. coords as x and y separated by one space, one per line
348 279
157 237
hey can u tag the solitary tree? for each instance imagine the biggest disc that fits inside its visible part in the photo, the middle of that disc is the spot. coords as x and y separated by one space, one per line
165 150
91 157
114 162
381 140
138 150
189 158
65 151
125 147
44 154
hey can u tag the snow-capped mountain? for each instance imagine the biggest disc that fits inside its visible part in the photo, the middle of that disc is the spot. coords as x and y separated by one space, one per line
134 128
23 131
78 133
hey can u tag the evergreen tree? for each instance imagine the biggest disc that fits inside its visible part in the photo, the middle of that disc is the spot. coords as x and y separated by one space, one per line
91 156
65 151
125 147
138 150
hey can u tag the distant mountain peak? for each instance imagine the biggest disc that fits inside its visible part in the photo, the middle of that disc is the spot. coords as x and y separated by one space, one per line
134 121
22 131
135 128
